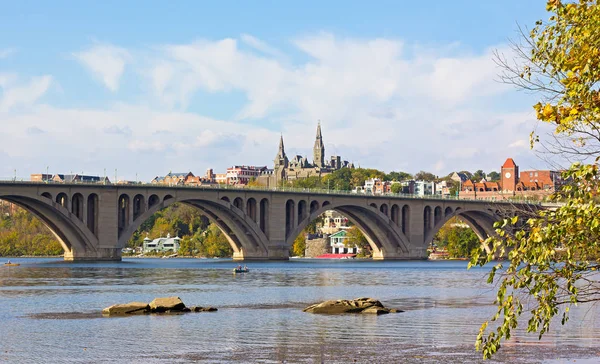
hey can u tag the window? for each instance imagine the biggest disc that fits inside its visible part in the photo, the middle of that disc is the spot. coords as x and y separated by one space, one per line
530 174
536 174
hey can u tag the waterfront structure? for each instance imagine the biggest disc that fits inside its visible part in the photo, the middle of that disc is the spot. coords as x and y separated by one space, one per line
299 166
337 241
161 245
527 184
95 221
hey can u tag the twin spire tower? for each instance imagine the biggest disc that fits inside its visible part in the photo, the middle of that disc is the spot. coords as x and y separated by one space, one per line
281 160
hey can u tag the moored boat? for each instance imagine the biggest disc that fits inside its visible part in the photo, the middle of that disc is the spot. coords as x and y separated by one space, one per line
9 264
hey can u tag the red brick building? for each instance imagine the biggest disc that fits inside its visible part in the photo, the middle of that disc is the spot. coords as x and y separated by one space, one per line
527 184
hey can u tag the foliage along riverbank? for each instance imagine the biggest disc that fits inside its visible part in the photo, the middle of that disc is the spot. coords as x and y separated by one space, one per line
21 233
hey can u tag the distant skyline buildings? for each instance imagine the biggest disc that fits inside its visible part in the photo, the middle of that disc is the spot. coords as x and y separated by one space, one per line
400 86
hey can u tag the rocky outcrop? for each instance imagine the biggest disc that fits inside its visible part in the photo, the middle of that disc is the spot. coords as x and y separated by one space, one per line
158 305
130 308
202 309
360 305
165 304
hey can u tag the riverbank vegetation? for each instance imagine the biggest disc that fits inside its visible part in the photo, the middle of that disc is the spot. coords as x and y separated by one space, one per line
21 233
457 238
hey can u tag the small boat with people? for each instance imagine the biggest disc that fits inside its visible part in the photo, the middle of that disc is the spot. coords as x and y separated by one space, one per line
240 269
11 264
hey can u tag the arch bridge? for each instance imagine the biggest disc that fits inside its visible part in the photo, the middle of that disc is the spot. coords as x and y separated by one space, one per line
94 222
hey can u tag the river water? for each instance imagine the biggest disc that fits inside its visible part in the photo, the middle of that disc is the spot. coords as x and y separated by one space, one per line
50 313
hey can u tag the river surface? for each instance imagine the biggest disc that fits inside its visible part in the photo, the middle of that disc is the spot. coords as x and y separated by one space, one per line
50 313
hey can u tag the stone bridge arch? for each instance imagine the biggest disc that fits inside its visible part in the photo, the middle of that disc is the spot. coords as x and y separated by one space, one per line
384 235
238 224
481 221
77 241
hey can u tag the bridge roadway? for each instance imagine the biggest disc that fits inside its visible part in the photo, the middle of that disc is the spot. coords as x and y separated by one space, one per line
95 221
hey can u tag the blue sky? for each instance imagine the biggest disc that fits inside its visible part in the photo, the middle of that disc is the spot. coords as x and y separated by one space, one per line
148 87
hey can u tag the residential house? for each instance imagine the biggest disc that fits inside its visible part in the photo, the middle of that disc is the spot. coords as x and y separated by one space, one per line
333 221
161 245
337 242
173 179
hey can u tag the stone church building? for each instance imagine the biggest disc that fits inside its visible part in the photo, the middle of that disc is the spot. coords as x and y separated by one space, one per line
299 167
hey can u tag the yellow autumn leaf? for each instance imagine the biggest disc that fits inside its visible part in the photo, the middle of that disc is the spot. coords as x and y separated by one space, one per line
548 111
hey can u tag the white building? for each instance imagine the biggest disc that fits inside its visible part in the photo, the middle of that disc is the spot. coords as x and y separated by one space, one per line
241 175
337 244
161 245
333 221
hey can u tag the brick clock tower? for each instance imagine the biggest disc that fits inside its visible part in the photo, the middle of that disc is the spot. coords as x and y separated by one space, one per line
509 175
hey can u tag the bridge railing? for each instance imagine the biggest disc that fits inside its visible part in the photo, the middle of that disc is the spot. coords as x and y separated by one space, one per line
322 191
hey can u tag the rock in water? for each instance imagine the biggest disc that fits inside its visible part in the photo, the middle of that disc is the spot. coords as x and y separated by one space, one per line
164 304
202 309
130 308
376 310
359 305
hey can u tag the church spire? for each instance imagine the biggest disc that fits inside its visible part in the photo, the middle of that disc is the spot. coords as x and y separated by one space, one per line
319 149
281 159
319 136
281 149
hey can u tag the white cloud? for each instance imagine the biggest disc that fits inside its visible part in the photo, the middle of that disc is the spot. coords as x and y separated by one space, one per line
521 143
261 46
116 130
23 95
144 146
106 62
383 104
6 79
7 52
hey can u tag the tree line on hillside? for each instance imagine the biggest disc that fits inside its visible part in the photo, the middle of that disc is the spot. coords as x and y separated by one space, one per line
21 233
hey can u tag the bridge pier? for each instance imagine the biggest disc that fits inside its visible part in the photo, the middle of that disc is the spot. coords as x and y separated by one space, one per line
102 254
